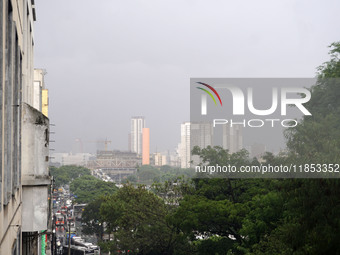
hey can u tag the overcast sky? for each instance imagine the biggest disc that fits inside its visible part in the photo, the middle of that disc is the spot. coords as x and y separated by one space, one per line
109 60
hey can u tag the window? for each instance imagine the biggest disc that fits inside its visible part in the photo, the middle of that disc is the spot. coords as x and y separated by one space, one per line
16 162
10 99
8 103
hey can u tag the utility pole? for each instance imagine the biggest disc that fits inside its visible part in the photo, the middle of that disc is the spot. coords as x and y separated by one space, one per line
54 234
52 217
53 243
69 236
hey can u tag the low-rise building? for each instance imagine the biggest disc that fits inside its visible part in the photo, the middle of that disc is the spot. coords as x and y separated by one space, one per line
64 159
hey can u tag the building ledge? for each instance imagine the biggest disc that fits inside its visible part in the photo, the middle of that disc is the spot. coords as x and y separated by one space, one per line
40 180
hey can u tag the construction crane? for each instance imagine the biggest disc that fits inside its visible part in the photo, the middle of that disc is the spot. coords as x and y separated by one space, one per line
105 142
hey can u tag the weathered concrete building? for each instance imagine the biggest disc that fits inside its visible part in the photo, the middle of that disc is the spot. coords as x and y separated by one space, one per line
24 134
35 173
35 179
16 72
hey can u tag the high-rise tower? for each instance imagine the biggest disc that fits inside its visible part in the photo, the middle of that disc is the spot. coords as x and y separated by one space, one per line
146 147
136 134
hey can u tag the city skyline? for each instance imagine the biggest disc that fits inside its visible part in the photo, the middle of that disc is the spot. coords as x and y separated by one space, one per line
99 155
120 67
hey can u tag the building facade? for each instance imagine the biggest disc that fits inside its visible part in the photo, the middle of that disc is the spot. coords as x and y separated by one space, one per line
194 134
146 146
24 136
160 159
64 159
136 134
184 150
35 180
40 95
16 81
202 134
232 138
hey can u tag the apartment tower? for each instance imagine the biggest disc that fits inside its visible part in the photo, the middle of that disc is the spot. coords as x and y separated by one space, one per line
146 147
136 134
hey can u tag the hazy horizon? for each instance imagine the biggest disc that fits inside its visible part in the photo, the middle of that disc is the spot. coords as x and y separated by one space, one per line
109 61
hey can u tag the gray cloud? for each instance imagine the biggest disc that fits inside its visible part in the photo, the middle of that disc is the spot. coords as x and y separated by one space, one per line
110 60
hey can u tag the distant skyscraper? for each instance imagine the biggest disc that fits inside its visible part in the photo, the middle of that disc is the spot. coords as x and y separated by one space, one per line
194 134
184 150
201 134
232 138
146 147
135 138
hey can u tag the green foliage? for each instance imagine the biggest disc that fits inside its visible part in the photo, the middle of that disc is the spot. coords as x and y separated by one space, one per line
92 220
310 221
132 178
217 155
213 245
147 174
87 188
172 192
317 137
331 68
172 173
292 216
238 216
65 174
138 219
239 211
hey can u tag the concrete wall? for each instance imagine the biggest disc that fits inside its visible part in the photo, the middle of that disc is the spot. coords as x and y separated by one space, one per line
37 93
10 224
35 172
35 208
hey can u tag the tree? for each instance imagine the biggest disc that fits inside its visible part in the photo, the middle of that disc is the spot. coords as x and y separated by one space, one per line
138 219
87 188
92 220
317 137
65 174
310 222
147 174
216 214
